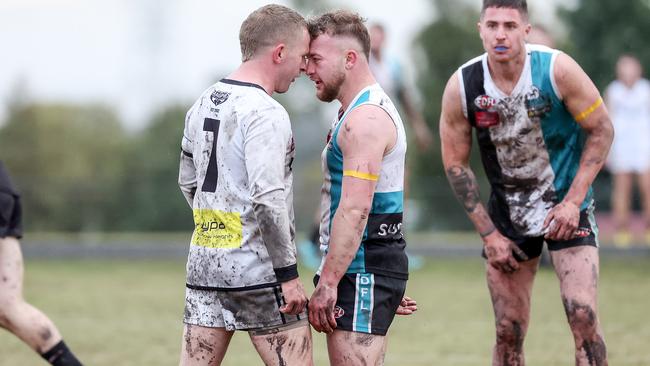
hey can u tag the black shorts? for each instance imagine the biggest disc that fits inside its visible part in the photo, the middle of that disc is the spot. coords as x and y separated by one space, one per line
367 302
586 235
10 208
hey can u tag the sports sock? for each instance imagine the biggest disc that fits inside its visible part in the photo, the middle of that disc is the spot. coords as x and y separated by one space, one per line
60 355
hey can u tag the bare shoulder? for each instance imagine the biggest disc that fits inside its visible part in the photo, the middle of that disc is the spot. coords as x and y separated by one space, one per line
568 73
368 123
452 109
576 89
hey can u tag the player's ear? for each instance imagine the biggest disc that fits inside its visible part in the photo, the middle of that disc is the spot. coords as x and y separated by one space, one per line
351 58
279 53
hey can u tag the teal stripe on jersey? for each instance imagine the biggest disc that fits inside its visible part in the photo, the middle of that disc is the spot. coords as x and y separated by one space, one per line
363 305
387 202
563 137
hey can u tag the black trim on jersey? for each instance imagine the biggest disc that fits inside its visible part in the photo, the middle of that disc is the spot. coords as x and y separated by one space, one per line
241 83
474 83
189 155
227 289
278 300
287 273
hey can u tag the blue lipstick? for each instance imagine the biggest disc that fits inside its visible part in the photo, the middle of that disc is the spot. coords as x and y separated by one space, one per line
501 48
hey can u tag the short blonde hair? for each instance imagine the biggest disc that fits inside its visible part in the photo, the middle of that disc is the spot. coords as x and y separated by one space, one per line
268 25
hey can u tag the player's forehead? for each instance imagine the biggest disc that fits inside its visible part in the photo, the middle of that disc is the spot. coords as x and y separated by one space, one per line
502 15
323 45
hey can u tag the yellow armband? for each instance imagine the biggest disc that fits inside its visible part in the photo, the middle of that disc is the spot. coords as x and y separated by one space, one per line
589 110
360 175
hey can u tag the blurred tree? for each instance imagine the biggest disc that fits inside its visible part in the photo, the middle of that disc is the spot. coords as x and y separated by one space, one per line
601 30
151 199
67 162
449 41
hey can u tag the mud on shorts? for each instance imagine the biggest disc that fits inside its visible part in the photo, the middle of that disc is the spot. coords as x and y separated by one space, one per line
367 302
256 310
585 235
10 215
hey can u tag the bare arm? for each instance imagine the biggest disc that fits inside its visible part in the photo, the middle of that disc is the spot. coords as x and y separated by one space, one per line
584 102
368 133
456 143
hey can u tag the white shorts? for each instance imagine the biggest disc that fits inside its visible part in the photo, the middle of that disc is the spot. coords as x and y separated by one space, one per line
251 310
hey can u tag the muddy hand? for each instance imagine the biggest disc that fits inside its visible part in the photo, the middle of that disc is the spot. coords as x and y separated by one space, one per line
321 308
294 297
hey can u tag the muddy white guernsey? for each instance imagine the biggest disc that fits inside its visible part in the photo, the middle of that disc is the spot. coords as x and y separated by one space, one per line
241 194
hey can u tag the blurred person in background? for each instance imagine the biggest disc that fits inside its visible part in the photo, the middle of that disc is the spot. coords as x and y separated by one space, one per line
628 100
389 74
17 316
543 134
236 174
362 279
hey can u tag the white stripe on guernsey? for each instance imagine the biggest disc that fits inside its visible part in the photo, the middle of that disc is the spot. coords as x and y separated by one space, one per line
461 89
356 302
551 74
372 301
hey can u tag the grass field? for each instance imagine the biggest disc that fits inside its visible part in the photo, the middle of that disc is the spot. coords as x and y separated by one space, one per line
120 312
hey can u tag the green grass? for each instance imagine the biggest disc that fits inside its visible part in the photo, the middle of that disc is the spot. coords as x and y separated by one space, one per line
119 312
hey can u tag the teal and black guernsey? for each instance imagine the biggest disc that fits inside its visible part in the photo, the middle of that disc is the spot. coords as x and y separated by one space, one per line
530 144
382 246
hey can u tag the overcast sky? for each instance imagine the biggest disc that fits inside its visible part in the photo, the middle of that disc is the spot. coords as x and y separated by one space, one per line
138 55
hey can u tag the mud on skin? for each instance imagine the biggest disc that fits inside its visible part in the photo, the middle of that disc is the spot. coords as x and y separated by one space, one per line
278 341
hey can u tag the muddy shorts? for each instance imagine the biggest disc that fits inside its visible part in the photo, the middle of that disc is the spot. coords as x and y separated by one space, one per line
254 310
585 235
367 302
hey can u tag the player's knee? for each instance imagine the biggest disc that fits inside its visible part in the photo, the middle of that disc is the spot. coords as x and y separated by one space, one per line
582 318
510 332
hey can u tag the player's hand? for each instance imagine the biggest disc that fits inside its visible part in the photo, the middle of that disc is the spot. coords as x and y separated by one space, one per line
321 308
499 252
408 306
562 221
294 295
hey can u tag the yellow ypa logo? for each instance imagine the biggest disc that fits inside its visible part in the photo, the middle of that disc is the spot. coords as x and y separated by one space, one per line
217 229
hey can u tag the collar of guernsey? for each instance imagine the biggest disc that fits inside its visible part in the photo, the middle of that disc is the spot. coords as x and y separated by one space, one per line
382 246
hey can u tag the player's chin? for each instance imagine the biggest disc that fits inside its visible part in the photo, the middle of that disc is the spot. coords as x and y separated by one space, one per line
283 88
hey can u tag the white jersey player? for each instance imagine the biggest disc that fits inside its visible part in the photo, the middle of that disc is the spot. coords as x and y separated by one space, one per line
235 172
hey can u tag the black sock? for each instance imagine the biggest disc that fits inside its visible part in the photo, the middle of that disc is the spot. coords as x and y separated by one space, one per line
60 355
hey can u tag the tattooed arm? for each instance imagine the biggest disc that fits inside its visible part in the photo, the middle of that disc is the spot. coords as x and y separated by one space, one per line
584 102
456 142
